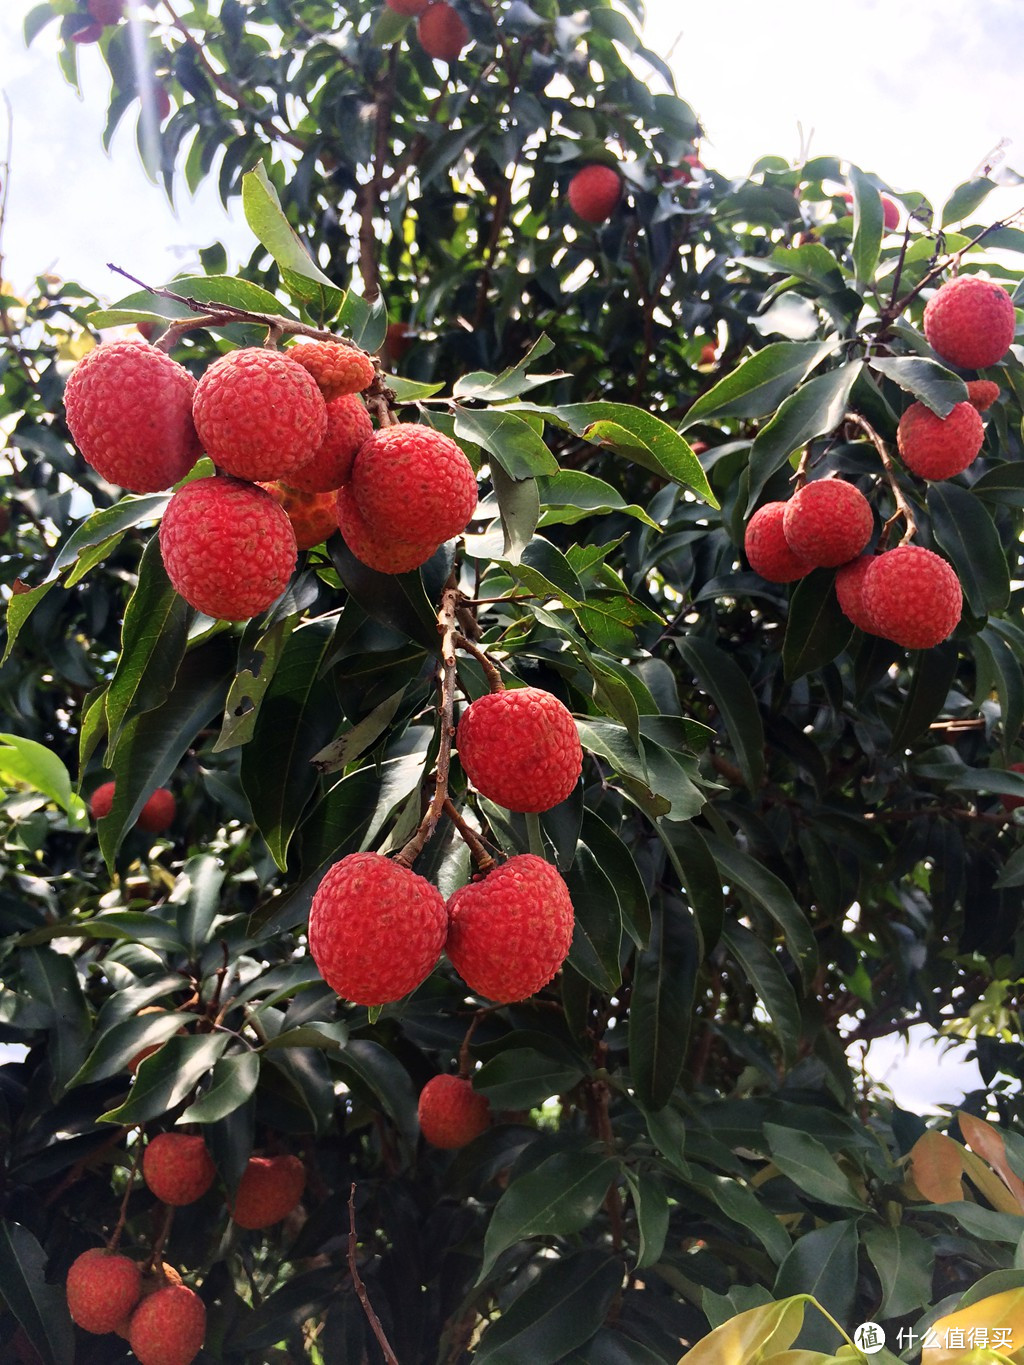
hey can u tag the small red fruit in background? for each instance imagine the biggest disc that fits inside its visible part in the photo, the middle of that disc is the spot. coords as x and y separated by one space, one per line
177 1168
890 210
767 549
92 33
1013 802
827 522
106 11
168 1327
520 748
510 931
594 192
982 393
102 1289
413 7
913 596
441 32
154 817
970 321
314 516
337 367
451 1113
708 353
400 336
935 447
270 1188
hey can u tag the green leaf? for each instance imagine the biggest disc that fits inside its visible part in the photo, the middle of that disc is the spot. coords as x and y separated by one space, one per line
904 1263
930 382
814 410
965 199
197 894
559 1311
545 570
41 1308
618 865
522 1077
934 671
516 379
212 289
823 1264
661 1005
302 276
360 737
255 673
53 981
652 1217
167 1077
811 1167
985 1224
966 532
742 870
698 873
570 496
765 973
519 507
868 222
747 1209
232 1081
816 629
28 761
125 1040
722 679
597 931
558 1197
758 385
518 449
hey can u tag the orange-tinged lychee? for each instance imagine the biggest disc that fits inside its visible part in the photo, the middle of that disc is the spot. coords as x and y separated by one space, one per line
982 393
594 192
520 748
168 1327
314 516
913 596
827 522
970 321
413 483
102 1288
270 1188
767 549
451 1112
337 367
441 32
348 428
178 1168
936 447
377 549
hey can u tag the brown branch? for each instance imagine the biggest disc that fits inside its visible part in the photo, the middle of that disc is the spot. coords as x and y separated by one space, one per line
161 1238
903 507
464 1063
115 1236
491 672
477 847
360 1288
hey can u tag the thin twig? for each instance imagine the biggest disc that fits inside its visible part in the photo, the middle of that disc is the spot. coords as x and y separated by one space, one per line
903 507
162 1235
491 672
465 1066
477 848
360 1288
115 1236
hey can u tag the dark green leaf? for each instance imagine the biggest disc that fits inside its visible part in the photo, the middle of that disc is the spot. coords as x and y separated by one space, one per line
232 1081
166 1078
41 1308
661 1005
814 410
904 1262
53 981
931 383
722 679
811 1167
964 529
518 449
965 199
758 385
740 869
522 1077
597 933
765 973
868 222
559 1311
302 276
824 1264
816 629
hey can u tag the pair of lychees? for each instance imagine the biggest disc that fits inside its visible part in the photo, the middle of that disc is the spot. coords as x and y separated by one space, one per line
178 1169
156 815
440 28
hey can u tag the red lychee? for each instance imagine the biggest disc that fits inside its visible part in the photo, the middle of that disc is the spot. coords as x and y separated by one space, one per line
227 546
129 409
520 748
890 210
441 32
259 414
102 1289
314 516
1013 802
337 367
970 321
413 483
913 596
850 593
414 7
154 817
982 393
593 193
153 1280
178 1168
168 1327
348 428
398 340
106 11
510 931
938 447
708 353
270 1187
376 929
378 550
768 550
827 522
451 1113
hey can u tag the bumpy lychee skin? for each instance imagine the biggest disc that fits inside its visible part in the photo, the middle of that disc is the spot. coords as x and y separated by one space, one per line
982 393
594 192
850 593
314 516
259 414
153 1281
129 409
938 447
441 32
520 748
414 483
378 550
376 929
348 428
970 321
451 1113
271 1186
913 596
227 546
102 800
1013 802
102 1289
168 1328
338 368
177 1168
767 549
510 931
827 522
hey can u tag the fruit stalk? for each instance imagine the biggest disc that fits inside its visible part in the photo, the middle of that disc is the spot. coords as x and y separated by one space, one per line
491 673
903 507
477 848
360 1288
115 1236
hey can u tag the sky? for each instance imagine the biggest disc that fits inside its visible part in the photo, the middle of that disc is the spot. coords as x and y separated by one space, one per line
918 92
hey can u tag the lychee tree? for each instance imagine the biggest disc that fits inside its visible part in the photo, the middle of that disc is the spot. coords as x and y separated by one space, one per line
729 525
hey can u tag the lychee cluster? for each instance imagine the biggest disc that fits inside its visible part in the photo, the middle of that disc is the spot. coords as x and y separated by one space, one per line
163 1320
825 523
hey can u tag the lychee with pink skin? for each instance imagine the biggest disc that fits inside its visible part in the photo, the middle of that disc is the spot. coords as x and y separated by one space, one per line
935 447
227 546
850 593
259 414
982 393
970 321
913 596
376 549
451 1112
376 929
348 428
441 32
510 930
414 483
102 1289
338 368
594 192
178 1168
314 516
168 1327
827 522
270 1188
129 410
520 748
767 549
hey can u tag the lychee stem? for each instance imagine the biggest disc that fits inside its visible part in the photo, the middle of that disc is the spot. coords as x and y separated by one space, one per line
115 1236
903 507
161 1238
535 835
477 848
491 672
360 1288
465 1065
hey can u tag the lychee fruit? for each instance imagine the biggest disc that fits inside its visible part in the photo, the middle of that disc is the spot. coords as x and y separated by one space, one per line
510 930
270 1187
129 410
413 7
767 549
102 1288
348 428
708 354
593 193
177 1168
935 447
314 516
441 32
982 393
398 340
378 550
376 929
913 596
520 748
970 321
154 817
168 1327
850 593
337 367
159 1277
414 483
227 546
682 175
1013 802
451 1112
106 11
890 210
259 414
827 522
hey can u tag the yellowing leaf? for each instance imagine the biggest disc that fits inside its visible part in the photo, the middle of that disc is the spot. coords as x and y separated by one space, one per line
989 1184
74 347
796 1358
987 1141
743 1339
1004 1310
936 1165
